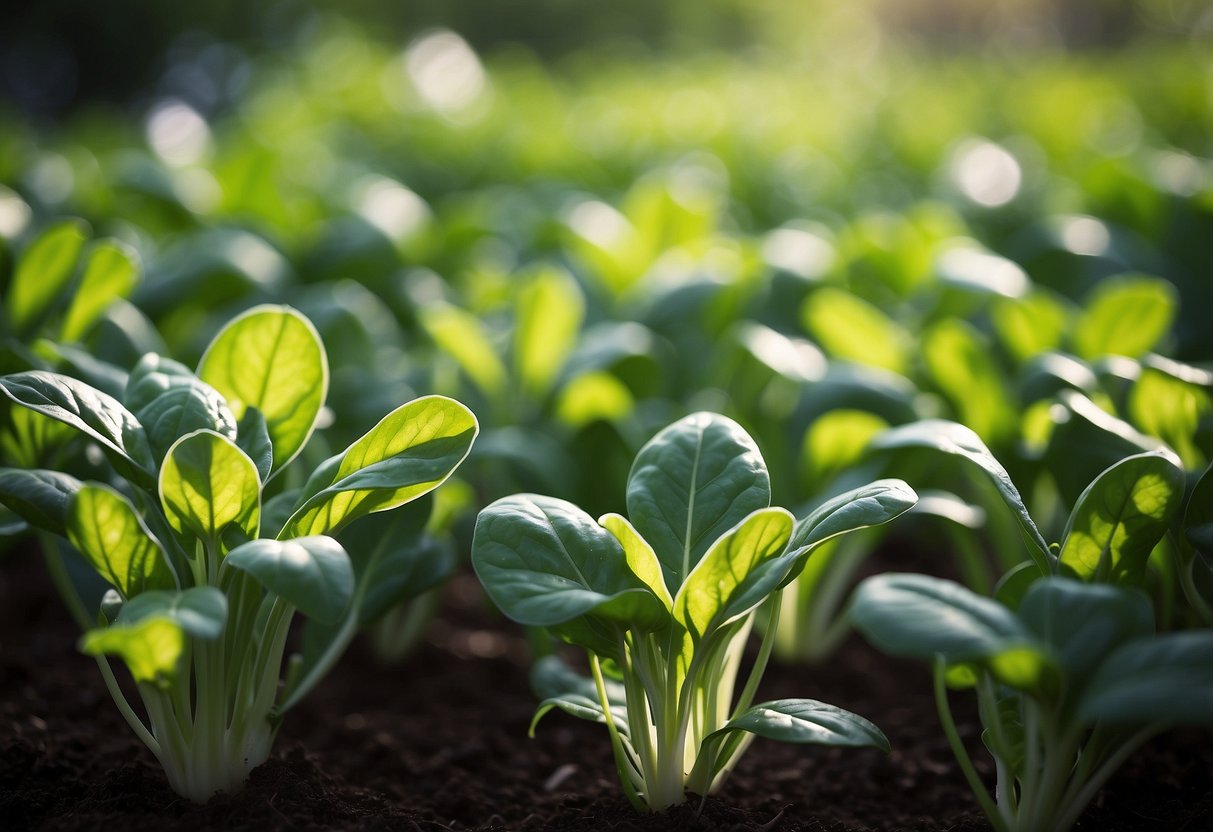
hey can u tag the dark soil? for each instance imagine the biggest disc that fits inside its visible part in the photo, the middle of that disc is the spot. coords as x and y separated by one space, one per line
440 743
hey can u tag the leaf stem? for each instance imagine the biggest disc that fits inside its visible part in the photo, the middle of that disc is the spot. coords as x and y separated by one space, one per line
958 750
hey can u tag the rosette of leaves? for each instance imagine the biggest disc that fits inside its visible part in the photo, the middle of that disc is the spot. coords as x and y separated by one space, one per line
664 600
206 574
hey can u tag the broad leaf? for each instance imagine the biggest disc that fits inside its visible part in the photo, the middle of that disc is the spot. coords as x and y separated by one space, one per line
271 358
1166 679
111 535
40 498
1030 325
1120 518
409 453
545 562
806 721
962 366
44 271
461 336
313 574
691 483
917 616
97 415
957 440
707 597
254 439
110 274
151 648
850 328
1083 622
549 310
208 484
153 376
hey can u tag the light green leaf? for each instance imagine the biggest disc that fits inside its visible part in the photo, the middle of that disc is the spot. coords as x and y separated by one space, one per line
1166 679
313 574
208 484
1125 315
961 365
917 616
409 453
691 483
641 558
1120 518
1030 325
97 415
43 272
806 721
111 535
835 440
958 440
110 274
461 336
1171 409
271 358
707 597
850 328
545 562
151 648
549 308
40 498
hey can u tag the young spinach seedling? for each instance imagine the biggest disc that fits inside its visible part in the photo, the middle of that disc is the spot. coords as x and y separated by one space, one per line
665 599
206 577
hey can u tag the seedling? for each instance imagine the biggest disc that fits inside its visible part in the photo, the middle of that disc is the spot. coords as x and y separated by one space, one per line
663 601
1069 675
206 577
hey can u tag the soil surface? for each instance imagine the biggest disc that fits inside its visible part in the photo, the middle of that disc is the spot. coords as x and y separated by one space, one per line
440 743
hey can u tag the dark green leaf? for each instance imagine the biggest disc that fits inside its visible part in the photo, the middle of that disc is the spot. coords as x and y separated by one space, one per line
313 574
40 498
806 721
691 483
200 611
1166 679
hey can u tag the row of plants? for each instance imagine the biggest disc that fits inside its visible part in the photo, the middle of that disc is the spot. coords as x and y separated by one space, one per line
992 377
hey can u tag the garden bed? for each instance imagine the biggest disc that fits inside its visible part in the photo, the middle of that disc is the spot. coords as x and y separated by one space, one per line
440 743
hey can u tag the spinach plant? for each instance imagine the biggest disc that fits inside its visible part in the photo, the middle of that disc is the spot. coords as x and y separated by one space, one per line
664 600
1069 675
206 576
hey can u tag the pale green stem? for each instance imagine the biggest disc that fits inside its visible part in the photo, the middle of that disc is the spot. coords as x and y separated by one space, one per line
958 750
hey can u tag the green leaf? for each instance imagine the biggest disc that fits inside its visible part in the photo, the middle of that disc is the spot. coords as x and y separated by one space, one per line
253 437
691 483
1030 325
271 358
1171 409
151 648
869 505
707 598
110 274
1120 518
208 484
962 367
313 574
183 409
549 310
576 695
917 616
152 376
97 415
40 498
641 558
460 335
1166 679
1125 315
850 328
545 562
43 273
806 721
957 440
111 535
200 611
1081 622
836 440
409 453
